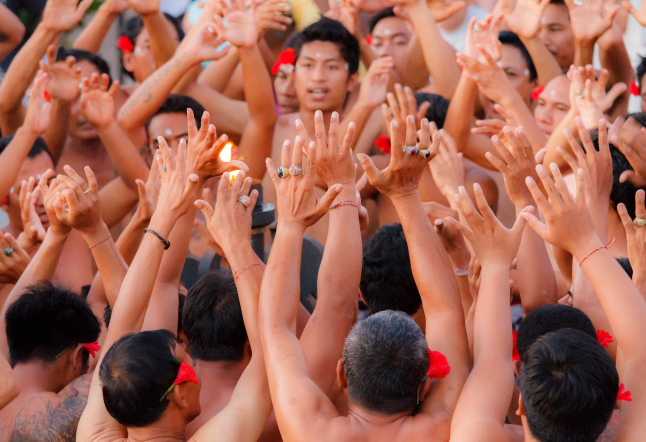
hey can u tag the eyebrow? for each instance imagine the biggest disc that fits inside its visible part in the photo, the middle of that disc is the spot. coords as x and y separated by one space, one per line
398 34
326 61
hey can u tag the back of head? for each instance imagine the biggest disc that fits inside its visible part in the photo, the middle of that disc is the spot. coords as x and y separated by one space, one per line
438 109
37 148
511 39
82 55
178 104
548 319
569 387
387 281
385 358
379 16
47 320
135 374
333 31
212 319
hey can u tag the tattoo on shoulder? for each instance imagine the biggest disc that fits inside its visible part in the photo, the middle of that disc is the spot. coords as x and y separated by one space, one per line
44 420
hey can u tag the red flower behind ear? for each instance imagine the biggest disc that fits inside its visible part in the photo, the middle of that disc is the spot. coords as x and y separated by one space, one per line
369 39
288 56
604 338
537 92
92 347
125 44
634 89
186 373
46 96
624 395
514 354
438 366
383 144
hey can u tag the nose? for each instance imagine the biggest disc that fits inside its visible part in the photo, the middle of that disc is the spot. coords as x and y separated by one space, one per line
319 73
544 115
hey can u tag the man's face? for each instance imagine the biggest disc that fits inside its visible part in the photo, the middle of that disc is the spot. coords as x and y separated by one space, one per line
141 62
79 126
172 127
556 34
31 167
321 77
515 67
390 37
553 104
286 90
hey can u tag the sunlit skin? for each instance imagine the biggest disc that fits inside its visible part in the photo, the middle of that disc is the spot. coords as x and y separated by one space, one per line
170 126
79 126
553 104
141 62
390 37
286 90
556 34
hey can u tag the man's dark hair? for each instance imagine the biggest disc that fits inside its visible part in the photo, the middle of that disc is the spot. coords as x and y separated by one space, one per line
387 281
135 373
177 104
82 55
547 319
107 313
333 31
379 16
625 264
133 27
385 359
37 148
438 110
511 39
569 387
47 320
213 322
641 71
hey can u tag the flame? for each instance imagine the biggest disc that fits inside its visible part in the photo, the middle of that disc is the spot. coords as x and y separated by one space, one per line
225 155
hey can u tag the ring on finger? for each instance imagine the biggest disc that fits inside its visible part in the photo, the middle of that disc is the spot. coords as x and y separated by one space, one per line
424 153
87 191
297 170
164 168
282 172
244 199
411 150
8 251
639 222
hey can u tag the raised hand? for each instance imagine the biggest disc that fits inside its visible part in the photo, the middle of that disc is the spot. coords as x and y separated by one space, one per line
148 194
33 231
447 167
374 85
441 11
240 29
97 101
492 242
400 105
639 14
204 147
203 43
39 110
636 236
64 76
296 200
491 78
269 15
334 161
115 6
82 211
51 196
144 7
630 139
63 15
590 18
230 222
518 162
484 34
524 18
13 259
401 178
495 126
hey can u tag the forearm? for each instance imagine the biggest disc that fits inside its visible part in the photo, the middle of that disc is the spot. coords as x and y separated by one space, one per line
12 157
95 32
359 115
56 133
515 105
366 54
416 75
258 89
124 155
217 74
583 53
131 237
546 65
460 261
615 59
461 111
162 42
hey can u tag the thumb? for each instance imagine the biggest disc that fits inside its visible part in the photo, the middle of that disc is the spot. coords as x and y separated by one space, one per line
324 204
369 168
536 225
521 222
141 189
626 175
615 91
205 208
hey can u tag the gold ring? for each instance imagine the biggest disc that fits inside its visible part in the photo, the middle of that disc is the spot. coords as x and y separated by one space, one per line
639 222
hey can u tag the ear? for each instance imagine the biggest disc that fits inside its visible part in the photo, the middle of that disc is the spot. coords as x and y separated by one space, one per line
364 299
178 396
340 375
424 389
516 365
534 83
77 358
128 61
5 206
352 81
247 351
521 408
183 341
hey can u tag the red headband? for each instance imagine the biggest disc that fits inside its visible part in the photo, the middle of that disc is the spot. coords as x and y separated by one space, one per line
186 373
536 92
624 395
634 89
288 56
604 338
383 144
125 44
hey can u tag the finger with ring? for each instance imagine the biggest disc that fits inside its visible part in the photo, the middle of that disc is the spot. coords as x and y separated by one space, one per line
639 222
244 199
411 150
8 251
282 172
297 170
424 153
165 169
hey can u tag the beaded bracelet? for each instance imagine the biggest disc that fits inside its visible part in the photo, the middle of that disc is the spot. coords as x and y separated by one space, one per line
461 271
240 270
596 250
345 203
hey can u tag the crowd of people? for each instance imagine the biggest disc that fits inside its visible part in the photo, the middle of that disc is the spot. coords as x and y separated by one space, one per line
416 221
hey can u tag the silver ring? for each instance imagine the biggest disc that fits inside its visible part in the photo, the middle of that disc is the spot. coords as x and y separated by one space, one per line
282 172
87 191
639 222
411 150
297 170
164 168
478 27
244 199
8 251
424 153
582 95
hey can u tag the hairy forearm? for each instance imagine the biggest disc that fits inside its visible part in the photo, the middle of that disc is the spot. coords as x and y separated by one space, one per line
12 157
124 155
56 133
546 65
95 32
162 41
219 72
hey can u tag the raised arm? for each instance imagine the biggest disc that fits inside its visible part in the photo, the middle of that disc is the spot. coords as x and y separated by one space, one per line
431 265
12 31
162 39
95 32
9 387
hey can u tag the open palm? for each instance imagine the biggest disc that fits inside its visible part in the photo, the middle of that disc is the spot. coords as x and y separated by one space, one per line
525 18
63 15
97 102
240 29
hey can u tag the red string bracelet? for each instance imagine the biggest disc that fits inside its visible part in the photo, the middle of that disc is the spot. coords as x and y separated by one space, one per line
596 250
345 203
240 270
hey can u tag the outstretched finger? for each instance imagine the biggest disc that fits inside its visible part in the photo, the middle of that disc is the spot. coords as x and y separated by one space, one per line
192 126
333 134
310 168
346 147
286 155
569 159
628 223
205 208
537 226
640 210
464 230
92 183
323 206
483 205
271 170
75 176
543 204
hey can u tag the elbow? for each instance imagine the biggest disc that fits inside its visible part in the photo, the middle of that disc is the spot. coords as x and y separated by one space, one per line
18 34
9 391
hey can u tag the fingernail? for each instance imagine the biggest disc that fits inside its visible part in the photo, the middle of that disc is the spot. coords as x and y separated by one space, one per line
298 138
540 168
495 139
554 167
457 198
529 180
519 129
318 114
339 188
506 129
461 189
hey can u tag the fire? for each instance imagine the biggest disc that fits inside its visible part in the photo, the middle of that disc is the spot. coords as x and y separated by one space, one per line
225 156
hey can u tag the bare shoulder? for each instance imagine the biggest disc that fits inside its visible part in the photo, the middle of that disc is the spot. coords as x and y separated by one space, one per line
432 427
50 416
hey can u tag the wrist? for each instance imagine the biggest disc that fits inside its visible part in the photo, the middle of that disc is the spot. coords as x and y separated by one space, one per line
163 222
47 32
290 227
460 257
147 15
103 129
521 203
416 6
405 197
585 246
27 134
96 233
105 11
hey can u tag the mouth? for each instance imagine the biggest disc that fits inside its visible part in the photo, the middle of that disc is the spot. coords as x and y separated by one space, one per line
318 93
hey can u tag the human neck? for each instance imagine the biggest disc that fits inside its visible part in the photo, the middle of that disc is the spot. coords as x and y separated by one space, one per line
307 117
85 144
375 419
220 371
167 429
36 377
528 434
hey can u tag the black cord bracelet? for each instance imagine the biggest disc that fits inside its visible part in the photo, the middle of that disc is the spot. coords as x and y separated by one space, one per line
164 242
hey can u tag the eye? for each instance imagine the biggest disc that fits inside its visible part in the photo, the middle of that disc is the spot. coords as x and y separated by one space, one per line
333 67
563 108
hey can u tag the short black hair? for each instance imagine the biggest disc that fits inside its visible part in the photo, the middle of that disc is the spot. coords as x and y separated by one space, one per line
641 71
625 264
569 387
83 55
438 110
379 16
47 320
37 148
134 25
385 358
511 39
135 373
547 319
178 104
387 281
213 322
107 313
333 31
